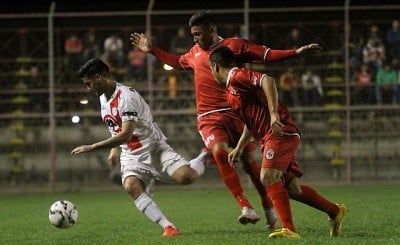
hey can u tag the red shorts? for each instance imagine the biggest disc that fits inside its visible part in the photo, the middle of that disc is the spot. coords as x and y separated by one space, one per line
222 126
280 153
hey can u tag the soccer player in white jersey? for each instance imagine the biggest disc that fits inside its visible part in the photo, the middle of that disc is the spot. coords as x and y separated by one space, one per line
145 154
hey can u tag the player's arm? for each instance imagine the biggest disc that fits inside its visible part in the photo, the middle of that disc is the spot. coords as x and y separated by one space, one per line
271 92
122 137
255 53
236 153
277 55
143 43
113 157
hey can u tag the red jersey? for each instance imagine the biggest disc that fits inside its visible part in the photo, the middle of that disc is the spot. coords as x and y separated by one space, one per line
247 99
209 96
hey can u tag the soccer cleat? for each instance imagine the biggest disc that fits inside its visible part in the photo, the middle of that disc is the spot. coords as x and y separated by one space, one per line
271 218
248 216
284 233
336 223
171 231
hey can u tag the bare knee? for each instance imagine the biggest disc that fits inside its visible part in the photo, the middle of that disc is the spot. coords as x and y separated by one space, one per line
269 176
133 186
184 175
294 188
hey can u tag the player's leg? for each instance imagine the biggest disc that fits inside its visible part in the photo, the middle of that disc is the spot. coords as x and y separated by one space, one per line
307 195
217 131
145 204
277 154
178 168
232 181
253 169
276 191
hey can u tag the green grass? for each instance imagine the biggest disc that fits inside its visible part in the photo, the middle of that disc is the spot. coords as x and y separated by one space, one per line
204 217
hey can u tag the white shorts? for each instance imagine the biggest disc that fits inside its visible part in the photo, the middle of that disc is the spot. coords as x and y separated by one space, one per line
157 161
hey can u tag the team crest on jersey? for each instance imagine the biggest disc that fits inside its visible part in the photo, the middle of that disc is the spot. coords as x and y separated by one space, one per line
232 91
270 154
114 111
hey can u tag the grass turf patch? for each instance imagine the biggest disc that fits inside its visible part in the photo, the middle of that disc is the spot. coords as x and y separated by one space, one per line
204 216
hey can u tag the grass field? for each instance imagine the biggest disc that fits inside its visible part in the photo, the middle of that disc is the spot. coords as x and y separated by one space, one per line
206 216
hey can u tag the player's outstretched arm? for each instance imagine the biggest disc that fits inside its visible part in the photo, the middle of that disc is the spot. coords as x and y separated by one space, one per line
141 41
309 49
124 136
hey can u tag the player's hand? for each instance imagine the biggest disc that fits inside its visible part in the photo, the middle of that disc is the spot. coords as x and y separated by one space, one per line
113 158
309 49
276 124
81 149
141 41
234 156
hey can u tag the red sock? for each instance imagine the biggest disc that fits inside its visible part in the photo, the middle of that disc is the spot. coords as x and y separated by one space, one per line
310 197
230 178
280 199
253 170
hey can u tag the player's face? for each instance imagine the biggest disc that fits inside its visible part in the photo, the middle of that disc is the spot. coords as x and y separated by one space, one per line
93 85
202 36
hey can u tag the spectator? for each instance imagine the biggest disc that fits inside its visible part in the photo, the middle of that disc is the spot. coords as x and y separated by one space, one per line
396 66
386 84
364 91
356 52
181 43
73 47
35 80
114 51
92 46
288 83
294 41
374 54
393 41
136 68
375 33
312 88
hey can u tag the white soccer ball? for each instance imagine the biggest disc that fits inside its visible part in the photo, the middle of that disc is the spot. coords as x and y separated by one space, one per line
63 214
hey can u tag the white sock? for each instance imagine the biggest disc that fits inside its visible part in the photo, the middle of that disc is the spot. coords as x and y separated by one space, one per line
147 206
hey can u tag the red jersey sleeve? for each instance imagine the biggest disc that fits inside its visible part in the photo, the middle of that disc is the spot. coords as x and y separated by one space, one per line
165 57
249 52
246 51
277 55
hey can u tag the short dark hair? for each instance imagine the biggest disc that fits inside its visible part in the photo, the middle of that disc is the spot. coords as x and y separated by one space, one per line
202 18
222 56
93 67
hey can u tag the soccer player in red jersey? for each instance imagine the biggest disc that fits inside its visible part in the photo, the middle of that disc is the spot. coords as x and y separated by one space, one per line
253 97
217 124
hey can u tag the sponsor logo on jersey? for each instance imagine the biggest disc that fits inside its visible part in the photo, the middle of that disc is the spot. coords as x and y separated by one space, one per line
207 140
130 113
232 91
270 154
255 80
114 111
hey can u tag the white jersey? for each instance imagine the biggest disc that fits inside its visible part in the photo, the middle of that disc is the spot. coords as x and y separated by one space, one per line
146 155
126 104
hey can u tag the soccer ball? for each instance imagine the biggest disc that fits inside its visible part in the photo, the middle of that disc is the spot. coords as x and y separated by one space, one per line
63 214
